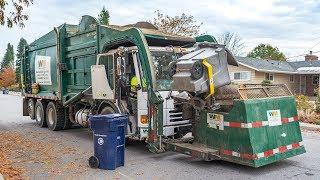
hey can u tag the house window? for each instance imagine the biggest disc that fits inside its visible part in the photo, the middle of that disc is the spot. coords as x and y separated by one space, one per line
241 76
270 76
315 80
291 78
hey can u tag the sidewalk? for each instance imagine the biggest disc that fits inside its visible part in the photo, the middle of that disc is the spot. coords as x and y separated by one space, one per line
310 127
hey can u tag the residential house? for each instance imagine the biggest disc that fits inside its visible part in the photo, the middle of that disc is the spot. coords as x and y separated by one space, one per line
301 77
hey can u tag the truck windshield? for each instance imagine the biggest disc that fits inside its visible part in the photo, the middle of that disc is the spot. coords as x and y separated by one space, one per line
161 60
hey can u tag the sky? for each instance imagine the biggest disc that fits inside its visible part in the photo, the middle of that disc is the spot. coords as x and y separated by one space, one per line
290 25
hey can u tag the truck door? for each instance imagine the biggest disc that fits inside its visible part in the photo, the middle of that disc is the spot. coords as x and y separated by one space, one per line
142 97
103 77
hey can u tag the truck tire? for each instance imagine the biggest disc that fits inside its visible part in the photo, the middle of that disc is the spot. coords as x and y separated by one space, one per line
107 110
31 109
55 117
67 124
40 114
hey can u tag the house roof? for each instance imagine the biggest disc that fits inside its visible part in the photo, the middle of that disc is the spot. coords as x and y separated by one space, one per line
263 65
266 65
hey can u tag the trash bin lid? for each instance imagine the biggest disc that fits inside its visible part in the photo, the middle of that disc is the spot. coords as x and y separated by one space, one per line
107 117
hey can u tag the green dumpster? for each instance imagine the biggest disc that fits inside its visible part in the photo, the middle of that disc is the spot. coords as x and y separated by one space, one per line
255 132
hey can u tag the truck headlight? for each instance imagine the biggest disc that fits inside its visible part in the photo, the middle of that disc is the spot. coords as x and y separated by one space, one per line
144 119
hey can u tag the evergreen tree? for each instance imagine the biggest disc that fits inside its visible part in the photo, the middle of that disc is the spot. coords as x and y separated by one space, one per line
20 54
8 59
104 16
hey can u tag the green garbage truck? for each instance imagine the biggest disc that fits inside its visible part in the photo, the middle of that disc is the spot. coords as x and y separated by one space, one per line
77 70
168 85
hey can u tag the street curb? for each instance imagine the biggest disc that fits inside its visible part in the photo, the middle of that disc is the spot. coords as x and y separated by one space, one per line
310 127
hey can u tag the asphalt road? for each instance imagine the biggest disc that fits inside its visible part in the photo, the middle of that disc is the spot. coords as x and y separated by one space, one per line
43 153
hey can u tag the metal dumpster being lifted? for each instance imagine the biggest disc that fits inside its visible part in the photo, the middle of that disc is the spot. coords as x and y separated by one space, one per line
253 125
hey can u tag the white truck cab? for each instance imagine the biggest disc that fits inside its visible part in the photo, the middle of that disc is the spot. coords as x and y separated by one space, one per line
124 67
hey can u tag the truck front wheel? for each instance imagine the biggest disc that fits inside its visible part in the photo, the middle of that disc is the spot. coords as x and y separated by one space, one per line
55 117
107 110
40 114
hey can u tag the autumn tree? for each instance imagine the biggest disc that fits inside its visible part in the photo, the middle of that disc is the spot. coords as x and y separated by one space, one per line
104 16
232 41
20 54
7 77
16 16
8 58
183 25
266 51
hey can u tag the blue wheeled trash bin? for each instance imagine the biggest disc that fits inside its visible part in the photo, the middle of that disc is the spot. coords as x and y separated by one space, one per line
109 140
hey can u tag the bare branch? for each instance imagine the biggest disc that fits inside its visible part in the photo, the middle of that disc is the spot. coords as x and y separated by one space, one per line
233 42
15 17
183 25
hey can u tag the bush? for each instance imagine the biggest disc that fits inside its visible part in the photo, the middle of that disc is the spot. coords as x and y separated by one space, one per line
308 112
266 83
303 103
316 91
14 88
317 109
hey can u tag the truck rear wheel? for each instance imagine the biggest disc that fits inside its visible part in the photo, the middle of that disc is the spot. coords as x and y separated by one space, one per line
55 117
40 114
67 124
31 108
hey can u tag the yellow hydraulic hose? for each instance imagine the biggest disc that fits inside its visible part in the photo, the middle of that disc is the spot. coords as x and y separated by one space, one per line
210 76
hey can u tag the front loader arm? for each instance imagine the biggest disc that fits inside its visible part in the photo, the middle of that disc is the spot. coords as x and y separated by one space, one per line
155 101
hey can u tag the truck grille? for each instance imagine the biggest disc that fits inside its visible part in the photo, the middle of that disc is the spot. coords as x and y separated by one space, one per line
175 115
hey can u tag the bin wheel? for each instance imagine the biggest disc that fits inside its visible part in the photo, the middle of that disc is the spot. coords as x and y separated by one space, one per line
31 108
93 162
40 114
197 71
55 117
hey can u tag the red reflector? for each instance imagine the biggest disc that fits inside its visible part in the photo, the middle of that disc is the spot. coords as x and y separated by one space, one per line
285 120
227 152
257 124
246 156
235 124
282 149
268 153
295 145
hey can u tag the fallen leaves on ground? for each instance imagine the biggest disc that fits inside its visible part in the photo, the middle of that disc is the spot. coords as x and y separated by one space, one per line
6 166
17 151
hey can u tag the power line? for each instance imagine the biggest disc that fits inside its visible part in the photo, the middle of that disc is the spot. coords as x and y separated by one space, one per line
314 45
301 54
307 50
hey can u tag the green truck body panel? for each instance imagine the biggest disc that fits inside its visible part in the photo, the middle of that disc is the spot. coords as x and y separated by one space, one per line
246 132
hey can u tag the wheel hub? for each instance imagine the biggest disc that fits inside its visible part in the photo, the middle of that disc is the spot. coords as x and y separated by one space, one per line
50 116
38 114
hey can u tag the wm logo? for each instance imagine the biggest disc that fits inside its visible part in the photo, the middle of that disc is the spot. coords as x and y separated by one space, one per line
42 63
273 113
